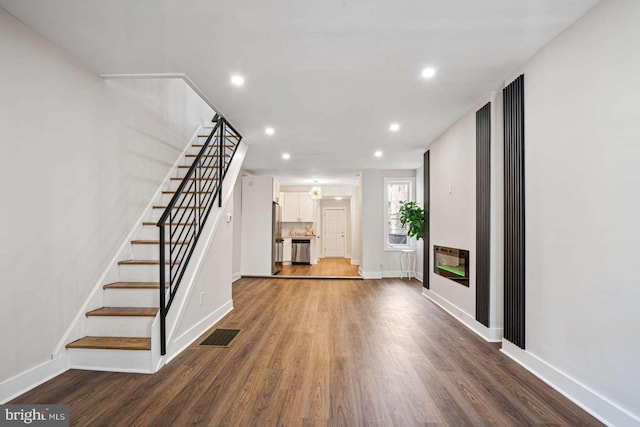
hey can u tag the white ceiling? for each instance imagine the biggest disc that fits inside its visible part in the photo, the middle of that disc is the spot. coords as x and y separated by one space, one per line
329 76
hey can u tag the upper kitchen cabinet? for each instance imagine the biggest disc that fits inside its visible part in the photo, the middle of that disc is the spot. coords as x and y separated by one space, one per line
306 208
297 207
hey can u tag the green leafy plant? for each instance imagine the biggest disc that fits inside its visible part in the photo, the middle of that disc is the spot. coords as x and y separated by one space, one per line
413 215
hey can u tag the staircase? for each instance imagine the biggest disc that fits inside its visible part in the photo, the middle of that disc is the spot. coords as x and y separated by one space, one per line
127 334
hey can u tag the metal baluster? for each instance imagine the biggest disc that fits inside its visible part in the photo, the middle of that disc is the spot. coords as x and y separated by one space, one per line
163 312
220 159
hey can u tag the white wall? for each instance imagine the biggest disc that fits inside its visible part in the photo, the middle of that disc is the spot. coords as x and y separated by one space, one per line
376 262
356 220
453 197
420 243
210 296
237 229
453 216
257 234
80 159
582 180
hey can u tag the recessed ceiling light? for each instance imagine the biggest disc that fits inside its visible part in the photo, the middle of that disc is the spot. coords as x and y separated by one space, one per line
428 72
394 127
286 156
269 131
338 198
237 80
378 154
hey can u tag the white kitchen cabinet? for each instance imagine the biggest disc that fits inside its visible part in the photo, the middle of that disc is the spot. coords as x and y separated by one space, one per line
297 207
290 207
306 208
286 253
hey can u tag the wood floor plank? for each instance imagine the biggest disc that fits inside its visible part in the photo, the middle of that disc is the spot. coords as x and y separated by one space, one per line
323 353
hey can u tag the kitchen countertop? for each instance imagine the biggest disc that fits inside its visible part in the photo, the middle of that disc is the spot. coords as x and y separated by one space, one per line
313 236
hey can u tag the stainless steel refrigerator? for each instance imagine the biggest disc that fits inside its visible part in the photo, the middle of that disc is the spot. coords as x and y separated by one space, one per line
277 240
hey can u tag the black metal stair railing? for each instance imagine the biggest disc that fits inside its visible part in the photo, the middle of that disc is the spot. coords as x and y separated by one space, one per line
184 217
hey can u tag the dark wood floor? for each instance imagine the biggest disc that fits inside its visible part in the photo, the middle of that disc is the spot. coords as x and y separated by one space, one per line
323 352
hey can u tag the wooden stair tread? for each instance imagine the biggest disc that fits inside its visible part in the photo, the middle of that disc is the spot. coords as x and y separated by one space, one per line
202 145
186 192
226 136
206 155
200 179
144 262
173 224
133 285
157 242
112 343
176 207
201 167
125 311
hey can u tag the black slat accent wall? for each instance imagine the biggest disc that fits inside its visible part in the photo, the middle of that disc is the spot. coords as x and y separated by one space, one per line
514 226
426 260
483 212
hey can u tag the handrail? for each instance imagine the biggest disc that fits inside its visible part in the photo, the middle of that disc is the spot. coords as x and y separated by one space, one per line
189 208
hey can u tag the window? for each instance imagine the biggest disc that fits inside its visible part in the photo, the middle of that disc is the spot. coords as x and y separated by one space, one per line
396 191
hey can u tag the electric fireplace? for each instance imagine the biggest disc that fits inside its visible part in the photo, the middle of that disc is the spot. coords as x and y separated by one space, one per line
451 263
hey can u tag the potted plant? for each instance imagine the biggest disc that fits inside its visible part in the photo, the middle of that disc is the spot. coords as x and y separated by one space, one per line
412 215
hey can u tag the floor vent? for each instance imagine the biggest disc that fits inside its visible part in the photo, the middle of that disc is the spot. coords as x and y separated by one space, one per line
221 337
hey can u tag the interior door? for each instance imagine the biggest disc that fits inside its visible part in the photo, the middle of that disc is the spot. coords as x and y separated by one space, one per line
335 225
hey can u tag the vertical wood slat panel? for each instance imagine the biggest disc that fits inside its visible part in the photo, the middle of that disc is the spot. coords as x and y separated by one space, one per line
514 221
426 257
483 213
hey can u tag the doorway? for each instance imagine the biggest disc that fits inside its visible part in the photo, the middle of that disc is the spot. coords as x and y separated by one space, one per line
334 228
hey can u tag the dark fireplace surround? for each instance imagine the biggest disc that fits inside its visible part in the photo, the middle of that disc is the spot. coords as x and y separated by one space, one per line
452 263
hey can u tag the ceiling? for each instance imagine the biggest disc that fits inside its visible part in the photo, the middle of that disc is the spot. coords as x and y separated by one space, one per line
330 76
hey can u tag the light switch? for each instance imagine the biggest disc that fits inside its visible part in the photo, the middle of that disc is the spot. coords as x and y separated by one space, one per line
450 189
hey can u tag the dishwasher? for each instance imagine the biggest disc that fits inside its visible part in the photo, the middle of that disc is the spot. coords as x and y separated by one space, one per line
300 251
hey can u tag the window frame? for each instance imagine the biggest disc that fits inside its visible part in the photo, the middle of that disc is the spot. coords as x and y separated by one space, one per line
395 247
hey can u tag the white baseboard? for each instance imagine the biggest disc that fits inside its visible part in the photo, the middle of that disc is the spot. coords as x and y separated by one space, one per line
597 405
488 334
355 262
188 337
420 277
32 377
392 273
370 274
235 276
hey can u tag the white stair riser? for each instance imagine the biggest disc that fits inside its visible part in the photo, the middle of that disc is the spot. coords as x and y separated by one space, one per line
147 233
139 273
174 184
131 297
155 215
153 251
166 198
146 251
111 360
118 326
204 173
